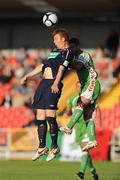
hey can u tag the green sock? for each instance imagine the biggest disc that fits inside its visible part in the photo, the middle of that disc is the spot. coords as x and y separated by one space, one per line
90 164
91 129
84 162
75 117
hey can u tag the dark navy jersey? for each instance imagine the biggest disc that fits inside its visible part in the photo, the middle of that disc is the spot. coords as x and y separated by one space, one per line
58 57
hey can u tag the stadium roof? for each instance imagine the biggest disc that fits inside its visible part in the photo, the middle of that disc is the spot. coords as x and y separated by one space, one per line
66 8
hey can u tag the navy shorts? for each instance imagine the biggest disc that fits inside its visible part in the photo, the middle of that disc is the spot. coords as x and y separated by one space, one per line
44 98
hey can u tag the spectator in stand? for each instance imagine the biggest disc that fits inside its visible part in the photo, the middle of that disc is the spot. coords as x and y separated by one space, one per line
6 74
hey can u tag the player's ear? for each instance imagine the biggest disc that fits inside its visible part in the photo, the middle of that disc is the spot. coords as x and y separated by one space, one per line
63 39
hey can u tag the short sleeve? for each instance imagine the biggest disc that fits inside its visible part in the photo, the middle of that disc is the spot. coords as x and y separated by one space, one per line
83 58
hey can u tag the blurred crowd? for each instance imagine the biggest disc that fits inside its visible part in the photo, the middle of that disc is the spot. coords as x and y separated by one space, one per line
108 68
107 61
15 63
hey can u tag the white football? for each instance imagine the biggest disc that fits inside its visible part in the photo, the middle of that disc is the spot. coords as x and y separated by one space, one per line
50 19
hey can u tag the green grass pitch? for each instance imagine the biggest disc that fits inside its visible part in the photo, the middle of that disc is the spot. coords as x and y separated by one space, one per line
55 170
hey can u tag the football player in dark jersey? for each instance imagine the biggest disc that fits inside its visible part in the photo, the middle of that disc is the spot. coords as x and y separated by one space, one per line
45 102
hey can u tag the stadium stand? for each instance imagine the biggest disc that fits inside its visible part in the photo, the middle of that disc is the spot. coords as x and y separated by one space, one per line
15 63
17 112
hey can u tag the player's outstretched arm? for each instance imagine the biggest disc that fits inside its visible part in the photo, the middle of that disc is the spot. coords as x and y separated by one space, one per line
34 72
59 75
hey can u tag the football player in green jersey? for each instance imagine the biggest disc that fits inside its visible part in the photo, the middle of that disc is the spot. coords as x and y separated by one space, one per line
82 137
90 90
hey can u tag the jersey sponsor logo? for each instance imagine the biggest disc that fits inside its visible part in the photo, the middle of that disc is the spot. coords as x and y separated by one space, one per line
91 86
53 55
92 79
92 73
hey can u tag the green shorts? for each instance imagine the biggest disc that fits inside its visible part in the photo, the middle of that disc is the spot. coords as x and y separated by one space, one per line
91 90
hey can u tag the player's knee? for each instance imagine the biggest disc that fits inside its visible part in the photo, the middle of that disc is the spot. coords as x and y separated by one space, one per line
51 121
80 103
40 114
50 113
